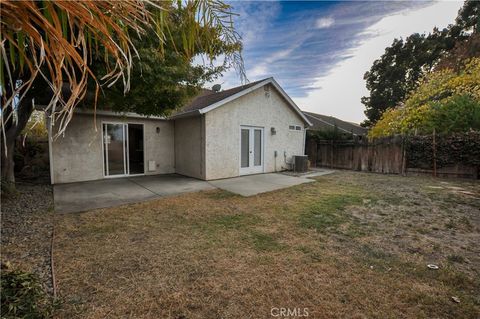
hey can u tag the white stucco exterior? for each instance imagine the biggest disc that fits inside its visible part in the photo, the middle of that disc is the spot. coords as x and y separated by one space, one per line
204 143
77 155
190 146
265 108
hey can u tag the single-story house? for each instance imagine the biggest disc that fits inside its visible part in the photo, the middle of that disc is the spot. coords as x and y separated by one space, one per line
325 123
250 129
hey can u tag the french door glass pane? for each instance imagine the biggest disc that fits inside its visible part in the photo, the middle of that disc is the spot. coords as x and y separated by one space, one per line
245 148
135 149
257 152
105 164
114 140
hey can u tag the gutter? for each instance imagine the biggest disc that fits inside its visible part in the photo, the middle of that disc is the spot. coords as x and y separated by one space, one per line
118 114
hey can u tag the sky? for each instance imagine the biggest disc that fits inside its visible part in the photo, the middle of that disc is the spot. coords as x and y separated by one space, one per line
318 51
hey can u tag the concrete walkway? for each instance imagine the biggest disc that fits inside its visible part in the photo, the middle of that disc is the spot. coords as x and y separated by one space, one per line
83 196
255 184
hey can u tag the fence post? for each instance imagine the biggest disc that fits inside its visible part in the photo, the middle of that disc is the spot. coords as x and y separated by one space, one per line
331 154
434 155
404 157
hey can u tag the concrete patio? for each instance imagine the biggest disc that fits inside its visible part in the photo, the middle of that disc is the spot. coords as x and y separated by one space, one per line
84 196
256 184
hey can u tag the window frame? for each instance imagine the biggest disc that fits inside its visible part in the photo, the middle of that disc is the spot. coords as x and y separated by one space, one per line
294 128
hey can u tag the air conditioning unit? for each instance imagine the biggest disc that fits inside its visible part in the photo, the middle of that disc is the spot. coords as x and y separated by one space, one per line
300 163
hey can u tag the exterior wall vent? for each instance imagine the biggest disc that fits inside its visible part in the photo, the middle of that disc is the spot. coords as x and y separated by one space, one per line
152 166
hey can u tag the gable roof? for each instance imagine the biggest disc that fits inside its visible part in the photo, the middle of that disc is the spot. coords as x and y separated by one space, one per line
324 122
209 100
208 97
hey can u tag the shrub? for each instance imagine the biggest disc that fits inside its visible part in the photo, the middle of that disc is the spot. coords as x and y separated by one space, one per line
445 100
22 296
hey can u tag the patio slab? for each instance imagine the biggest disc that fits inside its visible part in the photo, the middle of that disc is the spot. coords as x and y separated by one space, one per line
83 196
256 184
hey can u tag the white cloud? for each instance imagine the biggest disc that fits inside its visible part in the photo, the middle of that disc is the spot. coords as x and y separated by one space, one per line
262 68
324 23
343 86
258 71
264 12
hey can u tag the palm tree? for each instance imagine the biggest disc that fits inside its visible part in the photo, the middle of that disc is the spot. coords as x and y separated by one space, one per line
46 49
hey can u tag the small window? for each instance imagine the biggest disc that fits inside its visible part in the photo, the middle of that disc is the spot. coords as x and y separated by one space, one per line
294 127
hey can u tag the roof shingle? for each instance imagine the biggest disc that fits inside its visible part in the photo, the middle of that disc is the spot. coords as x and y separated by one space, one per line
323 122
209 97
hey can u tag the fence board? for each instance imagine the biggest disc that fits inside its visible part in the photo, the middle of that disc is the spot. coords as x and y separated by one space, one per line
386 155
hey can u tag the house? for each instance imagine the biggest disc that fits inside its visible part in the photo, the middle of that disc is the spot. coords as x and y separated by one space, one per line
250 129
324 123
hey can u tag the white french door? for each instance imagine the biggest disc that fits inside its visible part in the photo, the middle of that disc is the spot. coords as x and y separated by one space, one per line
251 150
123 149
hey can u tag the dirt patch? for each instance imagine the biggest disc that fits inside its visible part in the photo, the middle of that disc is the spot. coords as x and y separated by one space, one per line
26 230
350 245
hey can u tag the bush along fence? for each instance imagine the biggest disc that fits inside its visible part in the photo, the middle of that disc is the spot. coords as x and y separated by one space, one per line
456 155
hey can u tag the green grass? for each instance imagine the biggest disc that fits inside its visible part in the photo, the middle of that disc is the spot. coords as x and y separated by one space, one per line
328 212
232 221
456 259
264 242
242 226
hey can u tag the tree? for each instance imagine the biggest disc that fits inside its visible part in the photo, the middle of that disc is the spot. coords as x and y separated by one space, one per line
463 50
163 80
396 73
446 101
47 49
468 18
401 66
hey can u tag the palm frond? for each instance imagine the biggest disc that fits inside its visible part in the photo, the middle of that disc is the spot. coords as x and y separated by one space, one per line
55 41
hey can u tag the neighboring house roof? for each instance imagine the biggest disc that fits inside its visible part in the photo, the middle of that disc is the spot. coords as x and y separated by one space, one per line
324 122
209 100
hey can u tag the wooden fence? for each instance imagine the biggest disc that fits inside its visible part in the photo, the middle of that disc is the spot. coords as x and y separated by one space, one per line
386 155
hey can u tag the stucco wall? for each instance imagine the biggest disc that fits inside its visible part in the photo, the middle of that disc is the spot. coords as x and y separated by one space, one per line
258 108
77 155
189 147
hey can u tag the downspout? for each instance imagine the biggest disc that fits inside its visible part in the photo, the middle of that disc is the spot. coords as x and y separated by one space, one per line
174 147
304 139
203 145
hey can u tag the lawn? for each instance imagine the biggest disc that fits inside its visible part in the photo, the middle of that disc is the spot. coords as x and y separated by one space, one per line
350 245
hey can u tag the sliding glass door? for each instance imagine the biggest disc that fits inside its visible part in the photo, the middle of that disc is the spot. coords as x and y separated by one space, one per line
123 151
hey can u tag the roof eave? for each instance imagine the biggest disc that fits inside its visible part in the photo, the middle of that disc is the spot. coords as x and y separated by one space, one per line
185 114
118 114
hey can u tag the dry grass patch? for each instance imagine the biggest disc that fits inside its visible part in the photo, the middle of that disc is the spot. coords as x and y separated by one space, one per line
347 245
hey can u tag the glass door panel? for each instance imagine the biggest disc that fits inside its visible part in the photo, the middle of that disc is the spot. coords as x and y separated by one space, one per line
257 149
114 148
245 148
135 149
